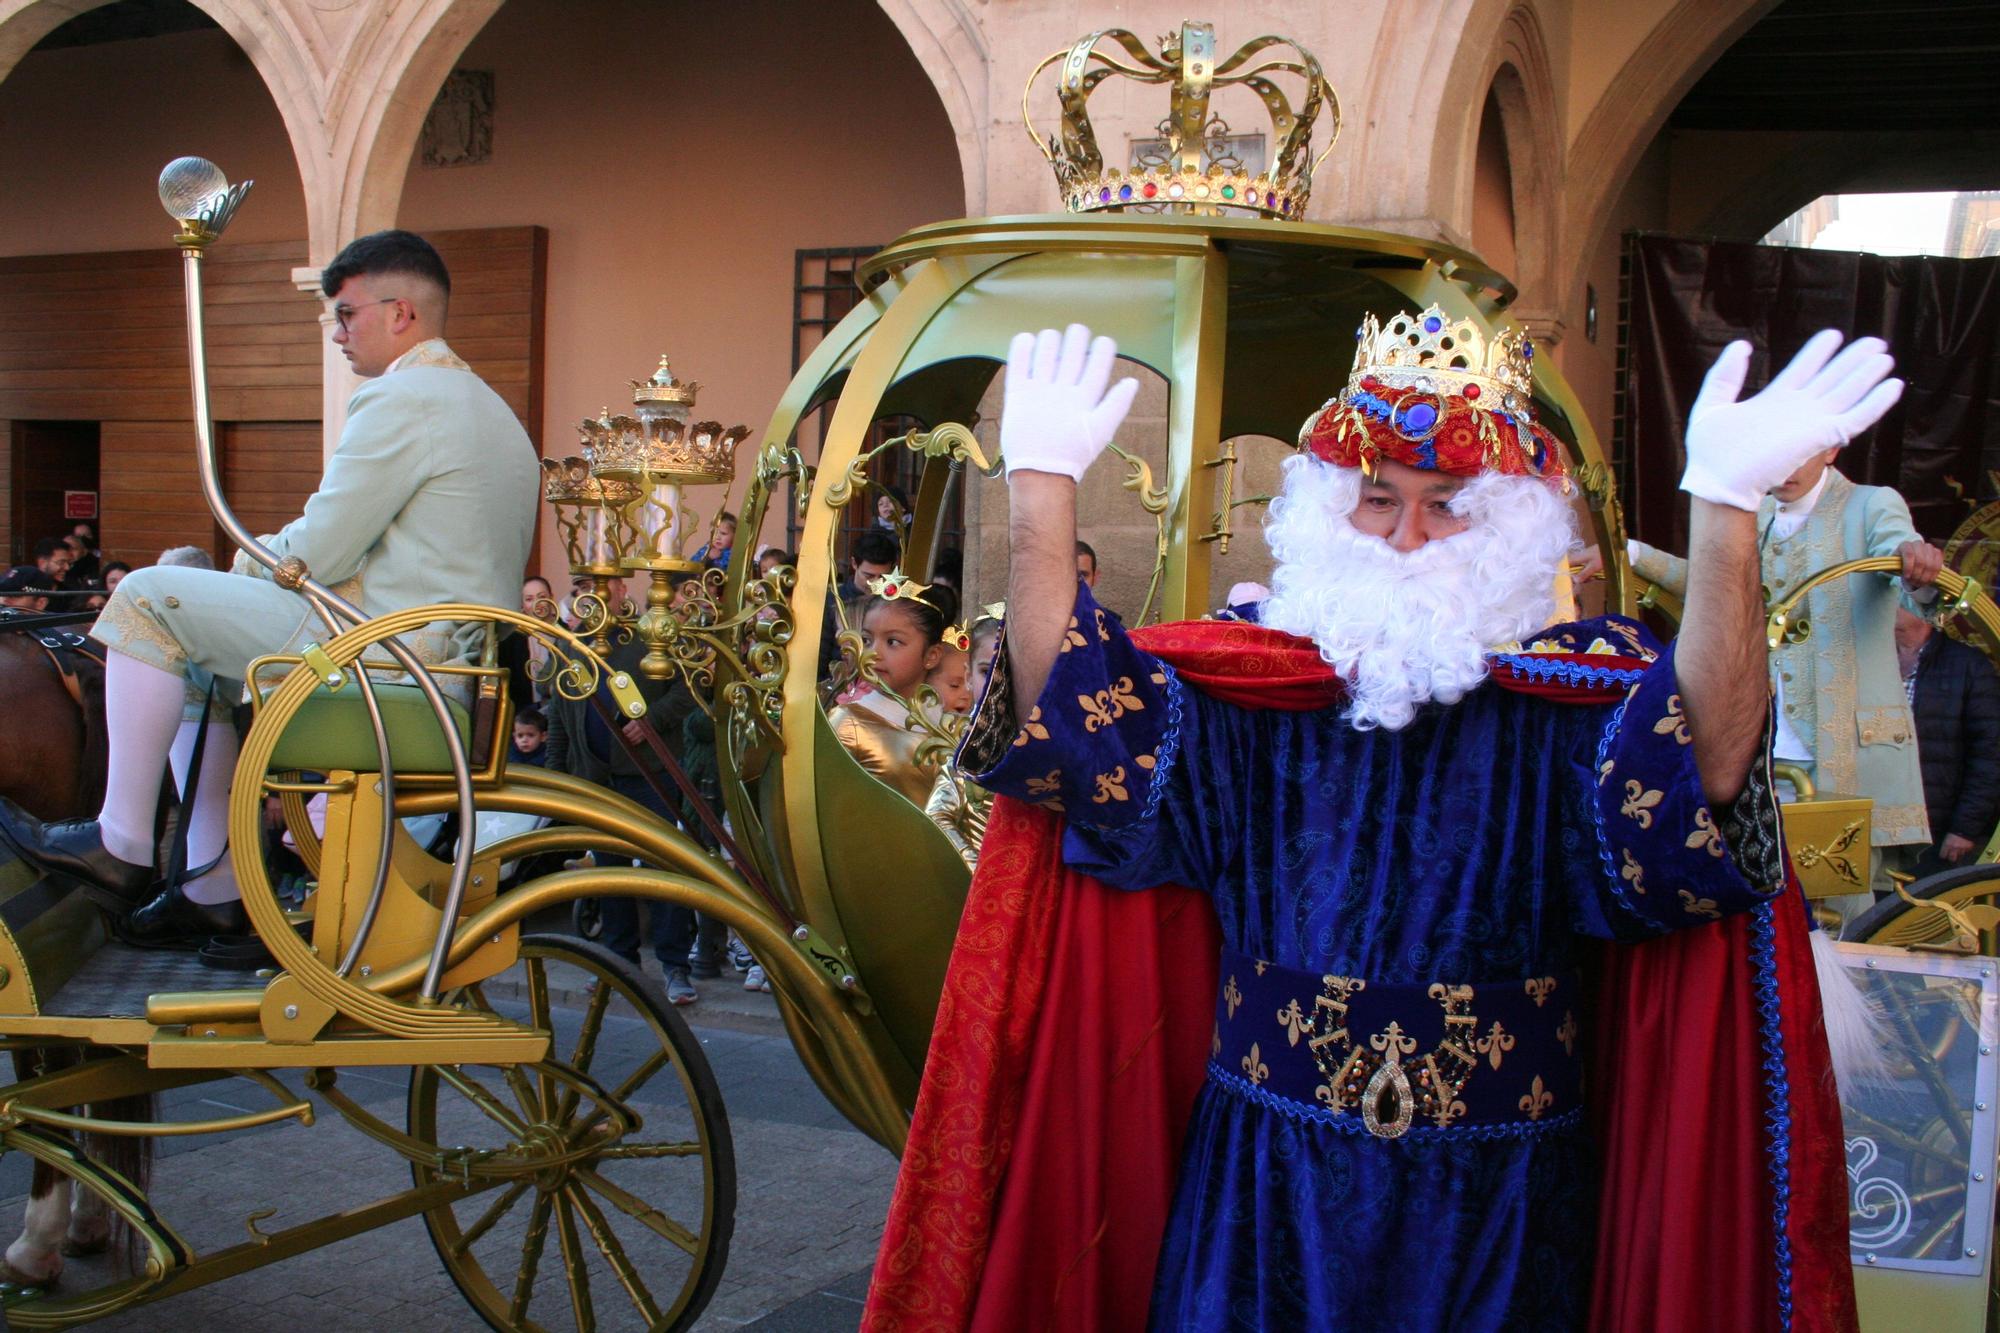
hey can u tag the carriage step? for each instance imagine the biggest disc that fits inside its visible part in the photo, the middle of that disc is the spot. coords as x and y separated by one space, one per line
250 1051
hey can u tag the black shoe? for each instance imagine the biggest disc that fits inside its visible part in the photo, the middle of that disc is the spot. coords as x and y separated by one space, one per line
76 848
170 921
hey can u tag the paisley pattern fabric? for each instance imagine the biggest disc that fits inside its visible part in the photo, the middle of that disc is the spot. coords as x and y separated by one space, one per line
1476 846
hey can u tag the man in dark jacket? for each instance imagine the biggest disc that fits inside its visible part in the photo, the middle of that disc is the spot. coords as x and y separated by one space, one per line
1956 698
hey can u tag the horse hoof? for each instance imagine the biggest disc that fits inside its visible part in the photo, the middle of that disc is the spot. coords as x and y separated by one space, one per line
82 1247
12 1271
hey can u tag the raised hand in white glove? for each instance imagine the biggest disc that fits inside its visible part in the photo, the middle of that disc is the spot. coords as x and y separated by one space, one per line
1737 451
1058 416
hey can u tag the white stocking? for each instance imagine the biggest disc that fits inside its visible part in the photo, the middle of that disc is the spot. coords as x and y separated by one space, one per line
142 707
208 821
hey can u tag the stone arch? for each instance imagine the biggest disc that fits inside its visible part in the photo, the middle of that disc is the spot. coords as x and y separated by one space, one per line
1502 52
950 44
1648 86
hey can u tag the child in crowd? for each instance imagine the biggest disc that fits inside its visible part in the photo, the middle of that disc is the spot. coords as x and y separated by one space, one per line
951 678
531 737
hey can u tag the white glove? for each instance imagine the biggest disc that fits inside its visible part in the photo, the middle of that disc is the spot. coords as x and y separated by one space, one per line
1057 416
1738 451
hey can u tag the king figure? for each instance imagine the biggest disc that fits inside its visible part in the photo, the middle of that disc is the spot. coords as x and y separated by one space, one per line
1405 961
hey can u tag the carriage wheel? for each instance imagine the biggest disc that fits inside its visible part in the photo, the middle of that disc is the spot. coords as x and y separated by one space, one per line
641 1222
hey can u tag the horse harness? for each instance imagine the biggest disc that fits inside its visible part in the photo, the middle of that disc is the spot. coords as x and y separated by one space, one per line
66 649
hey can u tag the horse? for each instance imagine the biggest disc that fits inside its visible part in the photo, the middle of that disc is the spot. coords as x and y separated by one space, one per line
52 766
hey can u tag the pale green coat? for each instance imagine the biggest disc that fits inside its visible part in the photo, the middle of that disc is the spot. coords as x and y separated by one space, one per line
1843 691
429 497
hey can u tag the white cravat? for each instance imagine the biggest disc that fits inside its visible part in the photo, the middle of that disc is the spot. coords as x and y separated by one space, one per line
1785 524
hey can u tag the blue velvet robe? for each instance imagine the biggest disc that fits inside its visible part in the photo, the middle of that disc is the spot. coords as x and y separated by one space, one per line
1478 845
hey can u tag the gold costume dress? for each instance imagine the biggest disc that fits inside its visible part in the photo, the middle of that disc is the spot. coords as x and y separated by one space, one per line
959 806
873 728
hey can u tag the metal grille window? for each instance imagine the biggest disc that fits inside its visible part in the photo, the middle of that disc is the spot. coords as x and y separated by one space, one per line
824 291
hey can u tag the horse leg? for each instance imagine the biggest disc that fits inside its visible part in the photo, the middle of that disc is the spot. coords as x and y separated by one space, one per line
35 1259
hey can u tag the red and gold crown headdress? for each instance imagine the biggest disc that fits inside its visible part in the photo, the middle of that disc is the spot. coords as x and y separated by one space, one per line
1436 393
898 586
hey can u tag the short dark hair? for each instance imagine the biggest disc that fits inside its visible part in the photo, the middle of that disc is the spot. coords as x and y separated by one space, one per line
48 546
1083 548
385 252
119 565
532 716
877 546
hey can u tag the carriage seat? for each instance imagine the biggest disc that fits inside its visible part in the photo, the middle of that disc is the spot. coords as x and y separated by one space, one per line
331 730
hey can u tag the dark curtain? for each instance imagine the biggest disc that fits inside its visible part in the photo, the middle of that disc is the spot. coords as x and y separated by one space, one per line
1939 446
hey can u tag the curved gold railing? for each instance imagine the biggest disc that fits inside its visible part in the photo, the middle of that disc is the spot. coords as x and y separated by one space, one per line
1967 598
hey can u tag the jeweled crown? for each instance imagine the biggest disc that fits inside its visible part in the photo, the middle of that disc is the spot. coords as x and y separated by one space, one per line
1198 173
1443 355
897 585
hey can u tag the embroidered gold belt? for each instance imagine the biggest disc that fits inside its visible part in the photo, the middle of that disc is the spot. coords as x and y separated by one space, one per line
1497 1056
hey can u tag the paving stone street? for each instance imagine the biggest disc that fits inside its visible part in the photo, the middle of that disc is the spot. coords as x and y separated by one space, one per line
811 1195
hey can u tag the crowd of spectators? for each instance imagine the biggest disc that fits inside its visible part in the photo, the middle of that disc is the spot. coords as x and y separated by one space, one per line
66 573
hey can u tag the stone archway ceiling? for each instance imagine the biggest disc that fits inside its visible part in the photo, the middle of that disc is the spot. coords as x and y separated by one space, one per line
1849 65
124 20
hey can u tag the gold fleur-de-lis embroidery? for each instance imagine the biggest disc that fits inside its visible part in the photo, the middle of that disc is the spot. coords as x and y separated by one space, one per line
1604 770
1254 1068
1261 965
1294 1021
1639 802
1632 871
1392 1041
1566 1034
1215 1043
1701 907
1148 761
1448 1110
1032 729
1073 637
1231 996
1706 835
1103 630
1159 678
1046 786
1538 1100
1325 1094
1108 705
1495 1044
1674 723
1111 786
1539 989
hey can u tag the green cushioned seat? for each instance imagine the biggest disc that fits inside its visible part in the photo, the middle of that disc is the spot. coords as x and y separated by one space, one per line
331 731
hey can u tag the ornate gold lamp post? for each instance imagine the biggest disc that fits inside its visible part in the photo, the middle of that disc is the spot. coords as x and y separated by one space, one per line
588 515
658 456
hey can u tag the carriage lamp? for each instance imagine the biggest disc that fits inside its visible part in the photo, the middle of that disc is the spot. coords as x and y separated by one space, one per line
197 195
661 454
588 516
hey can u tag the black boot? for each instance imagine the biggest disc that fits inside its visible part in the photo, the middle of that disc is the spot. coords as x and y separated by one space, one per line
170 921
76 848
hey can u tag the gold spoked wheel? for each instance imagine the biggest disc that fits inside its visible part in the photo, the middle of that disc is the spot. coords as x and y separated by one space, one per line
608 1180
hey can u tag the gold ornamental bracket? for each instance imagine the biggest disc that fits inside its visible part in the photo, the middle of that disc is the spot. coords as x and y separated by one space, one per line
1783 625
1198 173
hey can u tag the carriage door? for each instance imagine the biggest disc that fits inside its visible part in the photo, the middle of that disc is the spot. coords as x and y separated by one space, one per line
52 469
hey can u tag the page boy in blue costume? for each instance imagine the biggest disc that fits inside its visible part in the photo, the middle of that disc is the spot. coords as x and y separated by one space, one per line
1390 1133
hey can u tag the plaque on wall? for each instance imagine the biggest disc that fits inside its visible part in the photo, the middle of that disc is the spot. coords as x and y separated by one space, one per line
459 130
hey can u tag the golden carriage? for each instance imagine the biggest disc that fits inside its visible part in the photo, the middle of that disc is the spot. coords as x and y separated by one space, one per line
560 1190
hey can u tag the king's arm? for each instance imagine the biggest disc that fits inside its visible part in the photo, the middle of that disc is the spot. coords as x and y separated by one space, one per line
1105 744
1659 855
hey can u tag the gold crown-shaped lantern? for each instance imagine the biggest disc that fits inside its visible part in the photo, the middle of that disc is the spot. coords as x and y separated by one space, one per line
1197 173
1439 354
587 510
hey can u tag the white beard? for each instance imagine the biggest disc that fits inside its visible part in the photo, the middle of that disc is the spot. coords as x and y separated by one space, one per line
1404 629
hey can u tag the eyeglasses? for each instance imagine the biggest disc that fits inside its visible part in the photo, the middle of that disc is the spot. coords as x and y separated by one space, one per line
343 313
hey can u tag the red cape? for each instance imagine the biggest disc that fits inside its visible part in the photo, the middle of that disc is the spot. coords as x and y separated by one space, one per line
1073 1032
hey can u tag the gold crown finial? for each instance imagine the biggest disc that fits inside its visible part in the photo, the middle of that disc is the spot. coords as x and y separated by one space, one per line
1199 171
662 387
1440 354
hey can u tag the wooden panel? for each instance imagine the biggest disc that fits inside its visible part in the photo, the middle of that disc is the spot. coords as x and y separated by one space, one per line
103 338
268 470
7 490
149 494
